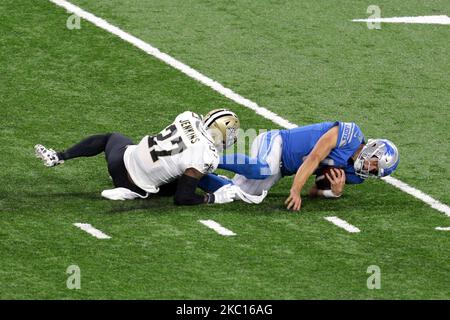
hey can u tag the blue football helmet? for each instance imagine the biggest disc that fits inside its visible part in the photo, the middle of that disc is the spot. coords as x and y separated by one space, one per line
384 151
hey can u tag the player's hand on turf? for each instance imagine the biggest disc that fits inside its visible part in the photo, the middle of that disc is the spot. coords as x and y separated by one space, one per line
337 180
294 201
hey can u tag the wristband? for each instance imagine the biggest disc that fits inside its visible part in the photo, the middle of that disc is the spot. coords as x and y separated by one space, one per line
210 198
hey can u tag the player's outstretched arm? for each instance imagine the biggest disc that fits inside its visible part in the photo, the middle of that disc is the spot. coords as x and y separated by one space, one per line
320 151
187 185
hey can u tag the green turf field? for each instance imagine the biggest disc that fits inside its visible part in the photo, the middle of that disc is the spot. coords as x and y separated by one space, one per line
304 60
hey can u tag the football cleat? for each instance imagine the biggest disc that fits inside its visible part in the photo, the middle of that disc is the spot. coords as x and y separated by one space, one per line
48 156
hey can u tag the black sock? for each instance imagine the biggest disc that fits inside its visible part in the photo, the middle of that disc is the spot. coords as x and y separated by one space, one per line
89 147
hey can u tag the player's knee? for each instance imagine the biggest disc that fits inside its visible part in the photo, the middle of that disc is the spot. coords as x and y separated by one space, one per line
106 137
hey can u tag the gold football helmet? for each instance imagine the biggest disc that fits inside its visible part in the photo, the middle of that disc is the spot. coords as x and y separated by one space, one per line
223 126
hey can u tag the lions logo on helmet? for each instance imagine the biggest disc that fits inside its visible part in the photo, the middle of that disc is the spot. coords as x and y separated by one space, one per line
223 126
384 151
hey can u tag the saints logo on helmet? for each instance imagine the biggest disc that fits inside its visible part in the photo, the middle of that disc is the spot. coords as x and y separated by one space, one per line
382 150
223 126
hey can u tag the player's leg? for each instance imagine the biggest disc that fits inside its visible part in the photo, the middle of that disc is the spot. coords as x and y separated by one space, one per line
255 186
243 164
88 147
272 157
211 182
256 166
125 188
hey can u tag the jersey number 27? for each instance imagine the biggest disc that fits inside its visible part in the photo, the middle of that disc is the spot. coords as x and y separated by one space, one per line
170 133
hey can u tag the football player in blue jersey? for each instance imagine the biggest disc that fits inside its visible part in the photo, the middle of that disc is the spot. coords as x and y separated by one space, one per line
304 151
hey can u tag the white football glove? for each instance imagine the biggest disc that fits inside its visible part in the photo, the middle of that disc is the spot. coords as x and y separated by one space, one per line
249 198
226 194
121 194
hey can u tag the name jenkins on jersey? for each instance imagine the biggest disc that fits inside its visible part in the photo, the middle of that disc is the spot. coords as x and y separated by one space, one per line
160 159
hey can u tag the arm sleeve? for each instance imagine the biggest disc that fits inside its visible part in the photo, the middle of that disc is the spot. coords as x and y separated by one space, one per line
185 193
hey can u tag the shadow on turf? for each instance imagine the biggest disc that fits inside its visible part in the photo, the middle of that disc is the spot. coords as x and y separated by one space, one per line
150 202
274 204
155 202
78 195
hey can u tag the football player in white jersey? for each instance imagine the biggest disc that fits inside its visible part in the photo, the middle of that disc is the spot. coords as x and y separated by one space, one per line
179 155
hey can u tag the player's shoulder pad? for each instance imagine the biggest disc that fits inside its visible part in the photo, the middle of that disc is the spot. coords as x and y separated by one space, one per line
348 132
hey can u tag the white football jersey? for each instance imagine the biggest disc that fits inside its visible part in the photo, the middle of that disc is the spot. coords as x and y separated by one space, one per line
160 159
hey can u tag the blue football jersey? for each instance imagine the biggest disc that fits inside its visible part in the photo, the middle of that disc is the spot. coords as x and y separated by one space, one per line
299 142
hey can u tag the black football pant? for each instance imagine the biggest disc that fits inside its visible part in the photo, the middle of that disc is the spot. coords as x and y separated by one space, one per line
114 146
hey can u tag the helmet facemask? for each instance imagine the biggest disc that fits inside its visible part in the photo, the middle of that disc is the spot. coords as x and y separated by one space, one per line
384 152
366 171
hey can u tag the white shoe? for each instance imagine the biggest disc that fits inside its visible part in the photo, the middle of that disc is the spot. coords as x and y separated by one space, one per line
121 194
250 198
48 156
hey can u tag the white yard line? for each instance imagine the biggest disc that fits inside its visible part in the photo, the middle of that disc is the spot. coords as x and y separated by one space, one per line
443 20
342 224
217 227
230 94
91 230
443 228
435 204
194 74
